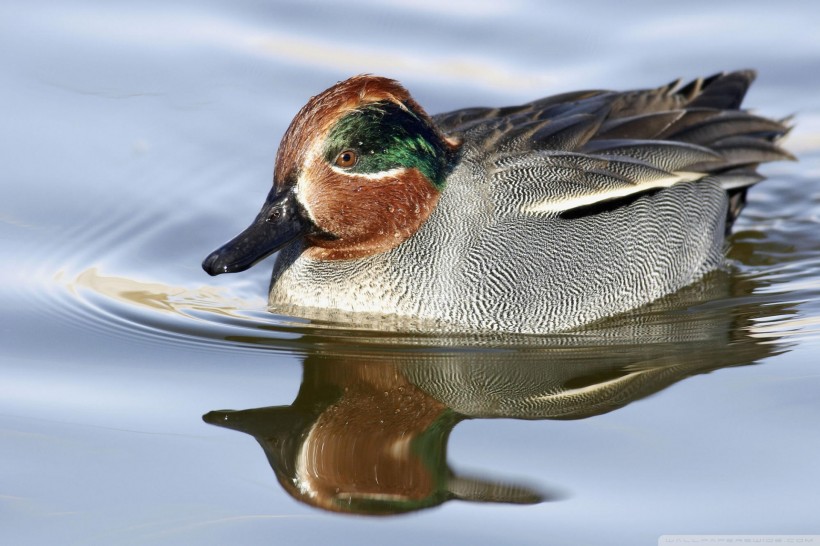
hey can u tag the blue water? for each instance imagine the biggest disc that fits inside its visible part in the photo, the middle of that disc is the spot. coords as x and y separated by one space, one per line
138 137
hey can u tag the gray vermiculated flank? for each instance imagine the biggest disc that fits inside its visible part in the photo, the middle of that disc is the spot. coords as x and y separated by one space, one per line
486 259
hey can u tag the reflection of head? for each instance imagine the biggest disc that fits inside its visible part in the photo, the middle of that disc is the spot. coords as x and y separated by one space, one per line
360 438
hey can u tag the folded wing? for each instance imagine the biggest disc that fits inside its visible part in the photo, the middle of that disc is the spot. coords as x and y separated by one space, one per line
578 150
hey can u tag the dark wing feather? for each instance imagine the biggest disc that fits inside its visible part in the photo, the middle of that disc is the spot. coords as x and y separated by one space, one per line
727 123
553 107
578 148
724 91
650 125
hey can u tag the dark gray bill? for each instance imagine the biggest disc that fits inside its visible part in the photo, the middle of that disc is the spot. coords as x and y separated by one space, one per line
280 221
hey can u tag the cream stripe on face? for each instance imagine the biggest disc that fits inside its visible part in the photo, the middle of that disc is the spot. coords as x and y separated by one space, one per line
390 173
301 190
591 198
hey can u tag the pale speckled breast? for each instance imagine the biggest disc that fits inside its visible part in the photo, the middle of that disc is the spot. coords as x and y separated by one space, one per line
470 269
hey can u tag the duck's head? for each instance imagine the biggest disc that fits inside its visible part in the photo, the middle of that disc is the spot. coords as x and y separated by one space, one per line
358 171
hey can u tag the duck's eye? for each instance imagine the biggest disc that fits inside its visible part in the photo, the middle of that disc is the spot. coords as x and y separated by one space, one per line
346 159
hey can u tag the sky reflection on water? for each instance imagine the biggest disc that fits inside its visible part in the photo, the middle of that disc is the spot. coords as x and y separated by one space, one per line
139 136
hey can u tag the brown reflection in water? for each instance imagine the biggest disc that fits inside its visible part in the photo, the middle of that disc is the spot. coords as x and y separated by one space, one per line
387 415
361 438
369 428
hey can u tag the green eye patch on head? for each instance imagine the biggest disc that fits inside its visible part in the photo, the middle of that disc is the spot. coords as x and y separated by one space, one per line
385 136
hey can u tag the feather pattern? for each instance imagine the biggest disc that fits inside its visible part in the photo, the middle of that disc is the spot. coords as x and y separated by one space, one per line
668 135
557 213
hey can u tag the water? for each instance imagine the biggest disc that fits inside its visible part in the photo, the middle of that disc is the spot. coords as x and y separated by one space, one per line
136 138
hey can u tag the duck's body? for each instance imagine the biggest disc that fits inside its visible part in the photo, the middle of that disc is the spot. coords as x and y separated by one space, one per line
527 219
485 272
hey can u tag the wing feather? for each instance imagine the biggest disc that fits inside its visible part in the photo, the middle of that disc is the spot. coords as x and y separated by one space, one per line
668 155
554 182
581 148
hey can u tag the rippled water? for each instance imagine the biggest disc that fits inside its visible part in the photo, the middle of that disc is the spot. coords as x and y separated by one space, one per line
138 137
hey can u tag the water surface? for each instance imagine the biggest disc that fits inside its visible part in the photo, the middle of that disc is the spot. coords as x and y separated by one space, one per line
139 137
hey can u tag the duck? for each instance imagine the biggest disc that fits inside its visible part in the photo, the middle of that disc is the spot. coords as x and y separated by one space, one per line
529 219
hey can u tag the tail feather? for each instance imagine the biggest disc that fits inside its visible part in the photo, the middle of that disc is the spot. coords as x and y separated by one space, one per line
724 91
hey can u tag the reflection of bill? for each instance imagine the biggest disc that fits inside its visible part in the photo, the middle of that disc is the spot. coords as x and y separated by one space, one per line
369 428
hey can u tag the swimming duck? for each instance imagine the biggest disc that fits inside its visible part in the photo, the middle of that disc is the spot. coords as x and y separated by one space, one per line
531 219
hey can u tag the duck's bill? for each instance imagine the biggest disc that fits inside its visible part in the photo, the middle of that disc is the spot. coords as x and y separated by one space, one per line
280 221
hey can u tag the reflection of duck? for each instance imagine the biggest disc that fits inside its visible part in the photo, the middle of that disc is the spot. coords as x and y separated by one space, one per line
360 438
528 219
368 430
